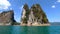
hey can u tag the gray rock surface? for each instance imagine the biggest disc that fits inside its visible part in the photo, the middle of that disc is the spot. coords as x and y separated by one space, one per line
7 18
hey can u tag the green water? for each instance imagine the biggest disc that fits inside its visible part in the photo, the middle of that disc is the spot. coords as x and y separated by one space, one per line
29 30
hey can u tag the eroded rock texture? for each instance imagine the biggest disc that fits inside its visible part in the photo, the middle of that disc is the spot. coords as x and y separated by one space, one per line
33 15
7 18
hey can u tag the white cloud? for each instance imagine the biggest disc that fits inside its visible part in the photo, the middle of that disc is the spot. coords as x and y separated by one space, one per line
53 6
4 4
58 0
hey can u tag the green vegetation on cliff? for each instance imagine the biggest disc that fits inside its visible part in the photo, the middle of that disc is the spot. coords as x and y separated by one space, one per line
27 13
38 13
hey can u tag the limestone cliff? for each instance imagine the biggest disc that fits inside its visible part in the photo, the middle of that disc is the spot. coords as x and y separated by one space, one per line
7 18
25 14
39 14
34 14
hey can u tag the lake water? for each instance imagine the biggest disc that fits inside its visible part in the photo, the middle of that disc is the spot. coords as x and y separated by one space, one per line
29 29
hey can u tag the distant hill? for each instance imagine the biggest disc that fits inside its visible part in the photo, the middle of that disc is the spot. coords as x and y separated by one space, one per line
55 23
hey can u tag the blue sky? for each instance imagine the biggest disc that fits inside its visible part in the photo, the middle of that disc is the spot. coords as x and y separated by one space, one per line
50 7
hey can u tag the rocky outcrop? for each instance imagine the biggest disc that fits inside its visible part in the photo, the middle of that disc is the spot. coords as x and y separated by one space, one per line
25 14
7 18
33 15
39 14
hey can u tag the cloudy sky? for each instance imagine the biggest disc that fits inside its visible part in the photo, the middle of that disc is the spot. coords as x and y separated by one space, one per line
50 7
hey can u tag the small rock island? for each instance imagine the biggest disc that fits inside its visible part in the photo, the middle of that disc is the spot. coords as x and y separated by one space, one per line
7 18
34 16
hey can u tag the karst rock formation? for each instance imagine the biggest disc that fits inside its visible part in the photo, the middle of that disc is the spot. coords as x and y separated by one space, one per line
33 15
7 18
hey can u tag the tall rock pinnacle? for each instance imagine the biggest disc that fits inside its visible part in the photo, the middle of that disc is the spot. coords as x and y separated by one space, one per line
34 14
39 14
25 14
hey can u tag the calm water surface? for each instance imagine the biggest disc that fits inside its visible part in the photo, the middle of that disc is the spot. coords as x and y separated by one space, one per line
29 30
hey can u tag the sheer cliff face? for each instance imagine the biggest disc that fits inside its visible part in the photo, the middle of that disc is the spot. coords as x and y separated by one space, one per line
25 14
34 14
7 17
39 14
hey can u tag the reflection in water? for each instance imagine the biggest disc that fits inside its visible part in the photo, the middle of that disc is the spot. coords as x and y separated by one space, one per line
5 29
34 30
24 30
15 30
